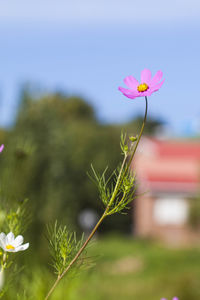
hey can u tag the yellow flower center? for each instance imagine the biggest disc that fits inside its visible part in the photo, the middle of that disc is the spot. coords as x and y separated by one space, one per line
9 247
142 87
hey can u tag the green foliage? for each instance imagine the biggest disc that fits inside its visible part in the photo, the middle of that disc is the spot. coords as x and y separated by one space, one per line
123 144
15 217
10 272
119 200
63 246
102 183
127 144
125 269
125 194
117 191
17 220
135 269
14 212
194 213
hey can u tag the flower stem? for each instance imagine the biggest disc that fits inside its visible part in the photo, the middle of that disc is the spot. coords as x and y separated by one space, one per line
117 186
77 255
140 134
132 154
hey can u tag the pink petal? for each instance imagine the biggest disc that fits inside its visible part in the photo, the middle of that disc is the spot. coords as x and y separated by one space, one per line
146 76
128 93
129 96
148 93
1 148
157 86
123 90
156 78
145 94
131 82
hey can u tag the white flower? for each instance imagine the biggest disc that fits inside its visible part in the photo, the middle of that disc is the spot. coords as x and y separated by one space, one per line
11 244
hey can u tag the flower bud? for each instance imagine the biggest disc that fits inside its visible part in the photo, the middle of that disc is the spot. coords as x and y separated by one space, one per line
133 138
125 148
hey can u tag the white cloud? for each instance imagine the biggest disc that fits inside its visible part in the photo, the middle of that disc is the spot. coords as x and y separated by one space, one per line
99 11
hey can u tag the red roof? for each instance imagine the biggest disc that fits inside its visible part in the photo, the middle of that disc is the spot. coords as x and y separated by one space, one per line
186 149
169 165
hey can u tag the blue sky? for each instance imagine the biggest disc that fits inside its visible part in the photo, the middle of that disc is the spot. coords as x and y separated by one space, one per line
87 47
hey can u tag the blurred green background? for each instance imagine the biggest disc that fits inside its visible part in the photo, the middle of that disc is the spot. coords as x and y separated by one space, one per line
124 269
47 154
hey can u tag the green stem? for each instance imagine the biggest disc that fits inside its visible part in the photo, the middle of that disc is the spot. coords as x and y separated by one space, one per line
117 186
120 179
76 256
114 209
140 135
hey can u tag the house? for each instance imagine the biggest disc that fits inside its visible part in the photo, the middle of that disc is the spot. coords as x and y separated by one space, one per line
168 176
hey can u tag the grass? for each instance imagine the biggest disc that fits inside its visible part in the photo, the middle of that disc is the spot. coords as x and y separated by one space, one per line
139 270
126 269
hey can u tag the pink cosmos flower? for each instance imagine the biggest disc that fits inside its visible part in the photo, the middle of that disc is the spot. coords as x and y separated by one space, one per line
1 148
147 86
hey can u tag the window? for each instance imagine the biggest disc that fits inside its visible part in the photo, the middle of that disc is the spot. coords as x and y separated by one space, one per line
170 210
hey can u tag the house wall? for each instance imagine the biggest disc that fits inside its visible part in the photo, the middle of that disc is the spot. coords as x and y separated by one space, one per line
171 231
143 215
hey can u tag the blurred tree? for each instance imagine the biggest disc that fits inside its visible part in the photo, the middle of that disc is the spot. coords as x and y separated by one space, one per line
49 150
